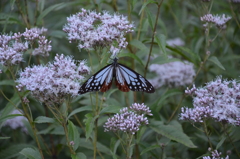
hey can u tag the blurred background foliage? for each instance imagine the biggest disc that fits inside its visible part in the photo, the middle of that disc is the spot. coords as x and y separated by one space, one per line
177 18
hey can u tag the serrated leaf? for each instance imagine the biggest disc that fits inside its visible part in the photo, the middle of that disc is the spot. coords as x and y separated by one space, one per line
78 110
172 133
161 41
73 135
215 60
43 119
30 153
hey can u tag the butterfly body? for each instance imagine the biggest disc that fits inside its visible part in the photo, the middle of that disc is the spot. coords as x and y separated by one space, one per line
125 78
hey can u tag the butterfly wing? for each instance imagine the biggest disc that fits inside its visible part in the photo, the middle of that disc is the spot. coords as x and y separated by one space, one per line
127 79
102 80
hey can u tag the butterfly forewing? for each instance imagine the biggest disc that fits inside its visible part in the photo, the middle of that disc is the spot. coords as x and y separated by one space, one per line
101 80
133 80
126 79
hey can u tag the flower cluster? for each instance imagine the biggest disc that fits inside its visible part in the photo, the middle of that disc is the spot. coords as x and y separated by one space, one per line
175 42
35 34
16 122
215 155
129 119
219 100
50 84
13 47
94 30
173 74
219 21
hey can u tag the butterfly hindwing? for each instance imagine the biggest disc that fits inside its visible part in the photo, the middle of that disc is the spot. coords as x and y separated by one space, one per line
101 80
126 77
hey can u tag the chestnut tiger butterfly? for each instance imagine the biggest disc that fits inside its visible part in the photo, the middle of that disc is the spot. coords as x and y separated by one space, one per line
126 79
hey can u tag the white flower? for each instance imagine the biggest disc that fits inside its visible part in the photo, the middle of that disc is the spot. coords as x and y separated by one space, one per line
219 99
175 42
94 30
128 120
219 21
16 122
11 50
52 83
173 74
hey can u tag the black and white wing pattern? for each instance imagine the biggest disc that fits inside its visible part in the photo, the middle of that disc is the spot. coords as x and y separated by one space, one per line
102 80
127 79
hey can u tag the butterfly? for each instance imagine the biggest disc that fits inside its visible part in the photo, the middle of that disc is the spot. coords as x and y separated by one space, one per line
126 79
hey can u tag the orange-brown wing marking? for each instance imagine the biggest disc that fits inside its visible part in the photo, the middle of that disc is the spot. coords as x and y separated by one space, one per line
123 87
106 87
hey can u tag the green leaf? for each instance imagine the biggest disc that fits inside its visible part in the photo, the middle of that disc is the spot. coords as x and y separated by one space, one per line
3 138
220 143
215 60
79 155
186 53
145 4
7 82
132 56
78 110
12 151
161 41
43 119
89 122
150 19
138 44
172 133
162 59
10 116
30 153
14 102
100 147
149 149
51 8
110 109
169 93
73 135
